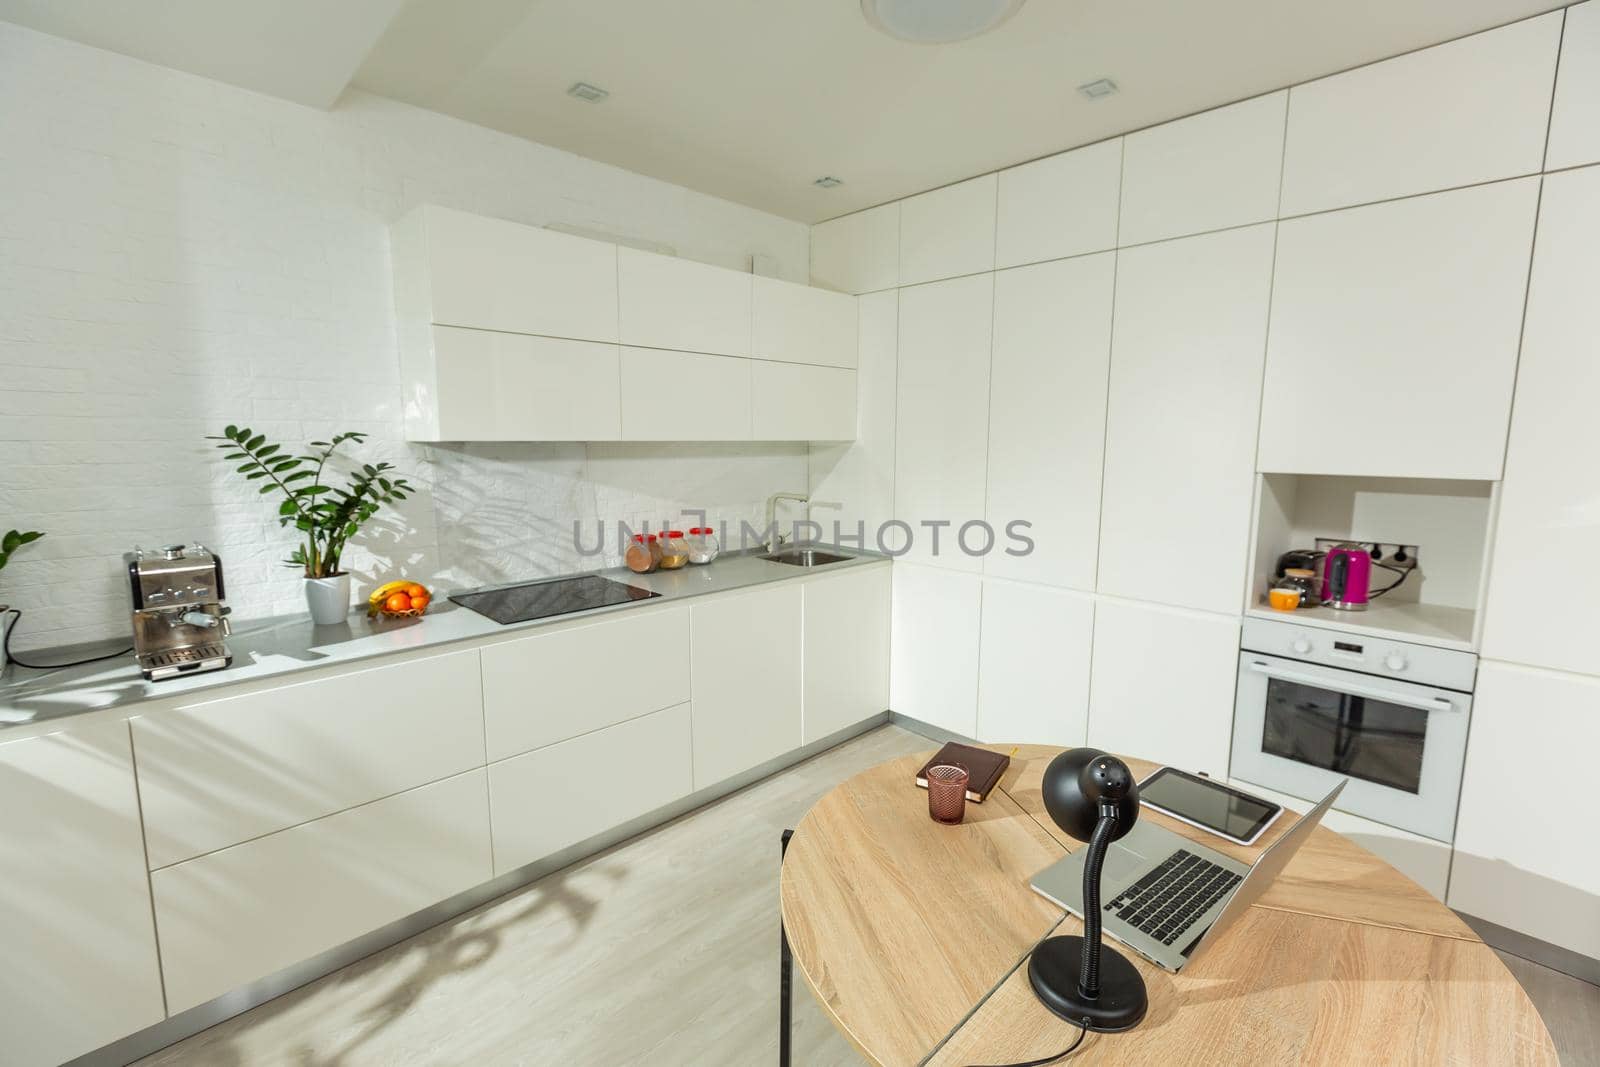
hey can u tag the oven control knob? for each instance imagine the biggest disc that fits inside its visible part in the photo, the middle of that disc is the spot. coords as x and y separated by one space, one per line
1395 661
1301 645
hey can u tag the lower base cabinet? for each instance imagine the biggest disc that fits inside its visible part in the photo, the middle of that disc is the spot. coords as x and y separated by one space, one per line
545 800
746 673
246 912
846 651
77 945
1525 856
1162 685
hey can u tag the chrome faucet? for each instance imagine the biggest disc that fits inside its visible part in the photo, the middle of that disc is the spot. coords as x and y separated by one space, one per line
776 539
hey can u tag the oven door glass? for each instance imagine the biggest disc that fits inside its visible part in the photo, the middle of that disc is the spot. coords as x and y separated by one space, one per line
1359 736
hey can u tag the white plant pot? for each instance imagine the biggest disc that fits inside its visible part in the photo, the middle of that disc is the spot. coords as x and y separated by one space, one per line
328 599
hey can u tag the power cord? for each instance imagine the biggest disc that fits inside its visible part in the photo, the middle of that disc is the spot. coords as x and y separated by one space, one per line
1083 1032
5 643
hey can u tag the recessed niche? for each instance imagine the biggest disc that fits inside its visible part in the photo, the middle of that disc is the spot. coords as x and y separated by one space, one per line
1444 524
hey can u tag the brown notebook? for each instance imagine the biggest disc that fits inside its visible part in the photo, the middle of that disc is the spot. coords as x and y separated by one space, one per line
984 768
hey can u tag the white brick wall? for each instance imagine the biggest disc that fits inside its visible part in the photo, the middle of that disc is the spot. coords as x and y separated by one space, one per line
177 254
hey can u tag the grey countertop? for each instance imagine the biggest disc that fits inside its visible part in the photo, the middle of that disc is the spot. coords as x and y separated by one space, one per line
268 648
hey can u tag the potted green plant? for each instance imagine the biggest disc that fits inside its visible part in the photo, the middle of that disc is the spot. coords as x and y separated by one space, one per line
327 516
13 540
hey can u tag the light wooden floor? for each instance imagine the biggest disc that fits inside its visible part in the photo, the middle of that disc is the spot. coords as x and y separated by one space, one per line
660 951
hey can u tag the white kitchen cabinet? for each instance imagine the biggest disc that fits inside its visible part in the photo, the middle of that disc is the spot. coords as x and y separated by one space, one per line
554 797
1033 668
1063 205
846 650
1186 357
1047 416
684 396
801 324
860 475
510 387
231 917
216 772
668 302
1530 867
942 426
1550 499
948 232
1460 113
80 951
1394 335
858 253
557 684
933 675
796 402
1575 116
457 269
1205 172
747 680
1422 859
1162 685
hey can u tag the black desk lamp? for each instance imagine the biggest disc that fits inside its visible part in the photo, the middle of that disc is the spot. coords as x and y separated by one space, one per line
1093 797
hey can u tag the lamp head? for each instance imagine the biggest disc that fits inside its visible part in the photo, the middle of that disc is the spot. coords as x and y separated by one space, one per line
1078 780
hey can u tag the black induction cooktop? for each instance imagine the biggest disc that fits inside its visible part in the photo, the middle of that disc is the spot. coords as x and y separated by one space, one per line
558 596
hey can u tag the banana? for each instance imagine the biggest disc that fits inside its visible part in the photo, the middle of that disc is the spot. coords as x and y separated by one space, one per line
380 594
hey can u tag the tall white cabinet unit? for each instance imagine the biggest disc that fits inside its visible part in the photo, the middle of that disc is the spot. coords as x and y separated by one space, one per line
79 945
1575 117
1189 338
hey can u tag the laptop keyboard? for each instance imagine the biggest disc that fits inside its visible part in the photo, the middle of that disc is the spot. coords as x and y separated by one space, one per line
1164 902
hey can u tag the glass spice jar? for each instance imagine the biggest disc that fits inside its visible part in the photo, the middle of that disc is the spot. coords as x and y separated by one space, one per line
639 557
674 550
703 547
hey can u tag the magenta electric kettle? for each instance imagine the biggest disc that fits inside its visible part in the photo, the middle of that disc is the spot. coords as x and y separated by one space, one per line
1346 579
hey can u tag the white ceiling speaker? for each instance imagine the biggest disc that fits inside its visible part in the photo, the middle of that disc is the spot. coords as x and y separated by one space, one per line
937 21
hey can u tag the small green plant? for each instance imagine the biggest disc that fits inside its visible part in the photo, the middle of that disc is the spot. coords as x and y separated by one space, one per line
13 540
327 515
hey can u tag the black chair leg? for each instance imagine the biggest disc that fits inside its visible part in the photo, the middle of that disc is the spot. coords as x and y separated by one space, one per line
785 976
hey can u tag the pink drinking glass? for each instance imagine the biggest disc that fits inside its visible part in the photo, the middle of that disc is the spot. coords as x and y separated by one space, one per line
947 793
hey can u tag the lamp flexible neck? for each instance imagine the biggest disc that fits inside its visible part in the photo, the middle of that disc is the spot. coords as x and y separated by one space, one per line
1089 971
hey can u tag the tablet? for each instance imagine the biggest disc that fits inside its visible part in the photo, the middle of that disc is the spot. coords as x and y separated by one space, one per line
1221 809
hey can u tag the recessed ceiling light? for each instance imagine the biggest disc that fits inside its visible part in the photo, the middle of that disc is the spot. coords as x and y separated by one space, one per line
827 181
1098 89
937 21
584 91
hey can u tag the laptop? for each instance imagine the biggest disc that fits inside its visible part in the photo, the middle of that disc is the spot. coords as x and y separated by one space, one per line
1168 898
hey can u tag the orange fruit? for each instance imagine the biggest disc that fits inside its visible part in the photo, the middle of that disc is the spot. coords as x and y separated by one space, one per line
413 591
420 603
397 602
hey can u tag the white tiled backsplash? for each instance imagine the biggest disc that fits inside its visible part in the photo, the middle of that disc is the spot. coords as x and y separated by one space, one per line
177 254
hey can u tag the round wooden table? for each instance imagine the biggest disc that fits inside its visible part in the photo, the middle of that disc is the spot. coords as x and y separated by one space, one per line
914 937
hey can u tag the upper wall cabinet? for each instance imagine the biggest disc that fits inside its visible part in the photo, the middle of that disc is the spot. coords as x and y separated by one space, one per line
458 269
668 302
1550 502
1469 111
1188 338
799 324
858 253
1394 335
1575 121
795 402
1206 172
511 387
1065 205
948 232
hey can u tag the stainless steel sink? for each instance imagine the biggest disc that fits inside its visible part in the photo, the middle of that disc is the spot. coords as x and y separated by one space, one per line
806 557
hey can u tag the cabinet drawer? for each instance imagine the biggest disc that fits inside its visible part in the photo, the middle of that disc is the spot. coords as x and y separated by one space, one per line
224 771
246 912
550 687
559 795
509 387
490 274
801 324
667 302
791 402
683 396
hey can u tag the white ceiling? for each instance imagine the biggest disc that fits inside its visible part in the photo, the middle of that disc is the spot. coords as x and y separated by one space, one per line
753 99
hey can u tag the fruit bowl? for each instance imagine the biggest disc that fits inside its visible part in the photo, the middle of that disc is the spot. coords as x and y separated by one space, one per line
399 600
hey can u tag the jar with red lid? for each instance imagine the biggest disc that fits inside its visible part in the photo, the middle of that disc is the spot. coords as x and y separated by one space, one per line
674 550
703 547
641 555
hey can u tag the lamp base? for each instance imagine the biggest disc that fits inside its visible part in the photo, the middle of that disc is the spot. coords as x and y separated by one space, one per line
1054 969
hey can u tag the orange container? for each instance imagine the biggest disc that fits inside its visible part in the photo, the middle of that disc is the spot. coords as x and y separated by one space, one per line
1283 599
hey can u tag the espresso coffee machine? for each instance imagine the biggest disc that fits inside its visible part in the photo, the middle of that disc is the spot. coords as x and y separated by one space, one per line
179 621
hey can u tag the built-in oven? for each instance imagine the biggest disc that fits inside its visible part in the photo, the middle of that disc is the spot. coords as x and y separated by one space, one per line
1316 706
